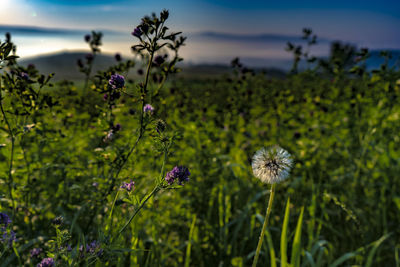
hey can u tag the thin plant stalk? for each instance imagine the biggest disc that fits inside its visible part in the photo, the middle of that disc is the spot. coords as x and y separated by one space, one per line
10 177
261 238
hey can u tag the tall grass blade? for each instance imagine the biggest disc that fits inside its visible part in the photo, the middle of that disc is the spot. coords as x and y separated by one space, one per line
284 236
296 248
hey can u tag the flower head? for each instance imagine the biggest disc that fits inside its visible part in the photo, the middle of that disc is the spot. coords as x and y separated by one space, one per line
35 252
148 109
271 165
137 32
179 173
128 186
88 38
4 219
46 262
116 81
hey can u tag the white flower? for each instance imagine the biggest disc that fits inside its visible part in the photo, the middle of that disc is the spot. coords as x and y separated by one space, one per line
271 165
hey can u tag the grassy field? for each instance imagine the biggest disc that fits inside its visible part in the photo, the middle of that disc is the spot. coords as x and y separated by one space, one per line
69 152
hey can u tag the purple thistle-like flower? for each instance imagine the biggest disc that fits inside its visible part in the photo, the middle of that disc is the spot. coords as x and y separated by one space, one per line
137 32
24 76
88 37
4 219
46 262
148 108
89 57
117 127
128 186
158 60
179 173
118 57
116 81
35 252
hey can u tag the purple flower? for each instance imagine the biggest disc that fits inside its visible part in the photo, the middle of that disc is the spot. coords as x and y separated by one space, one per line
58 220
128 186
137 32
116 81
148 108
69 248
89 57
31 66
158 60
105 97
88 37
24 76
118 57
116 127
7 238
179 173
46 262
79 63
4 219
35 252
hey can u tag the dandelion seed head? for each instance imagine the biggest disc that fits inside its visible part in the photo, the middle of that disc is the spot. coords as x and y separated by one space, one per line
271 165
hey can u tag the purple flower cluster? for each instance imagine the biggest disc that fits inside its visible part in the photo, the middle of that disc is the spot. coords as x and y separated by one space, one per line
128 186
148 109
4 219
24 76
91 248
35 252
179 173
137 32
88 38
116 81
46 262
7 238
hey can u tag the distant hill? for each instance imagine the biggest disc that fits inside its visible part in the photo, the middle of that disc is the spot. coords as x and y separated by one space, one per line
65 67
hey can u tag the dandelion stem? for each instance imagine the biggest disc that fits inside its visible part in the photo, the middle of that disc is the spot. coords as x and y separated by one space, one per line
260 240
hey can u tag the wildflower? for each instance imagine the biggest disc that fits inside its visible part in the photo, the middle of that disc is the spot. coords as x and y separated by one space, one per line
105 97
116 127
58 220
118 57
4 219
89 57
35 252
128 186
158 60
137 32
7 238
109 136
95 184
87 38
46 262
180 173
79 63
148 109
271 165
29 127
24 76
116 81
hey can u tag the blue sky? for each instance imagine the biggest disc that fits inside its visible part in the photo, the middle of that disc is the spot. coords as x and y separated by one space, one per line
363 22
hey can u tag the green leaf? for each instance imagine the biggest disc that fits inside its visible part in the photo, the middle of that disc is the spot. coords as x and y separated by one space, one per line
284 235
296 248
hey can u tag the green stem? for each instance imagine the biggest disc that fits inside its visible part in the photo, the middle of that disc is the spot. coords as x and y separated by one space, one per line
155 190
10 178
260 240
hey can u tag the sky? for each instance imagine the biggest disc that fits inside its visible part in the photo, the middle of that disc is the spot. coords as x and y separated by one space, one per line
365 23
